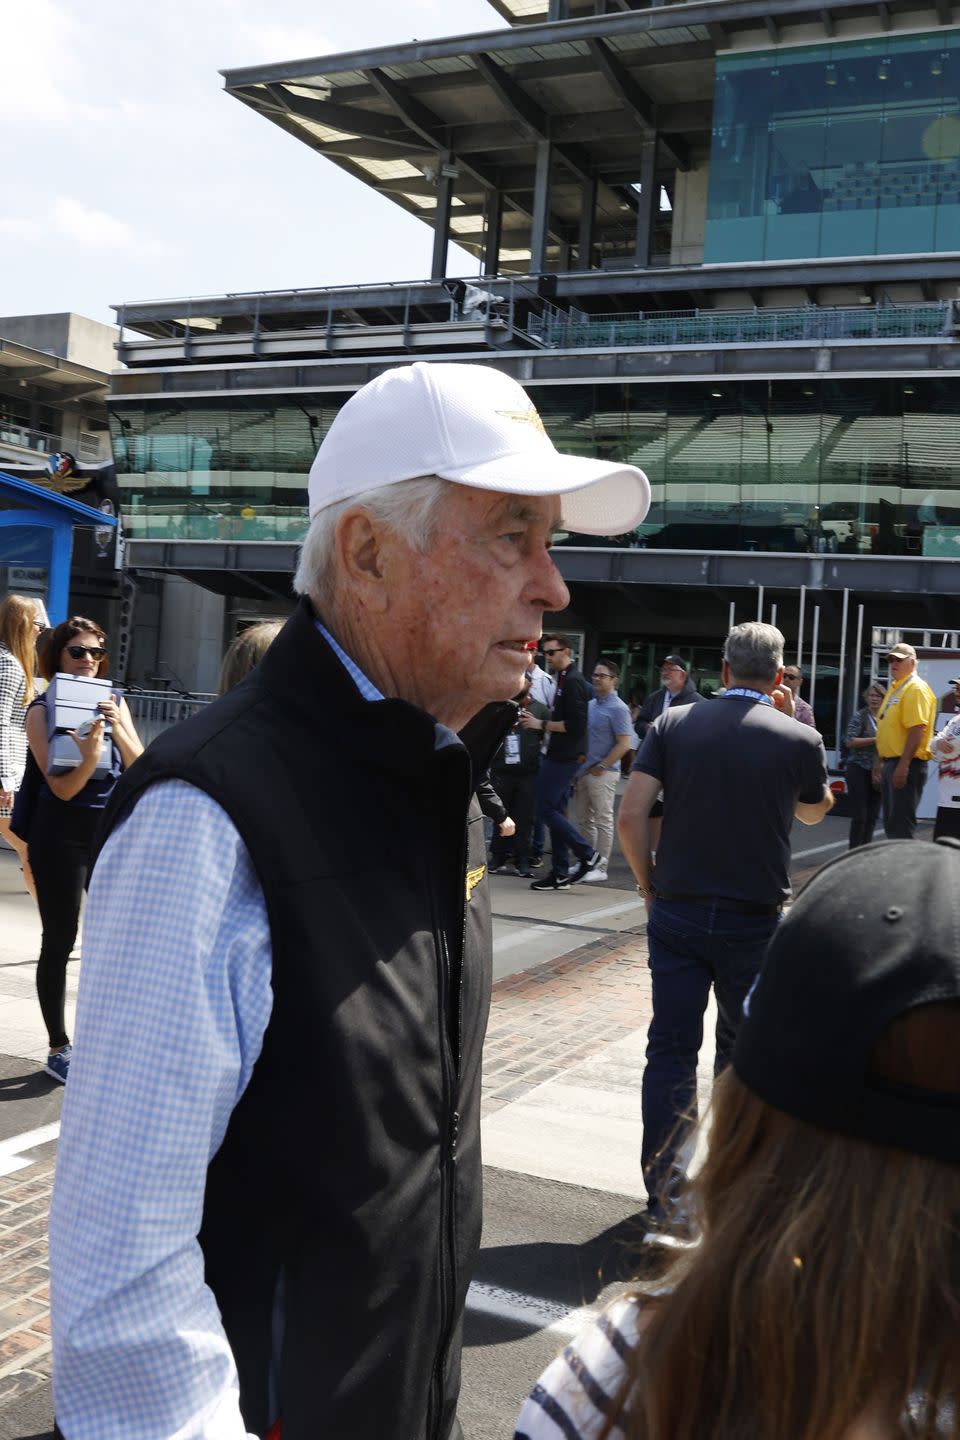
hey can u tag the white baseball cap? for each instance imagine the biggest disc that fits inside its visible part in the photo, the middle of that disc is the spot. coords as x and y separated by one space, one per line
475 426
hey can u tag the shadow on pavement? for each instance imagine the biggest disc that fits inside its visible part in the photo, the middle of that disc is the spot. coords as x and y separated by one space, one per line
27 1086
560 1273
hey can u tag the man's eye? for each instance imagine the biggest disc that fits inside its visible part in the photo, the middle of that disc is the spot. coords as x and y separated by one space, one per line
513 537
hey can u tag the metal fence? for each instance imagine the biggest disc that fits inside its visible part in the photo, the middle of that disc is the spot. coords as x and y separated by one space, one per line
156 710
575 329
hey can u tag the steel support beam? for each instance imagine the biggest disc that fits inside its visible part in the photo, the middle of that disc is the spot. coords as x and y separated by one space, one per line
634 98
860 574
588 216
647 206
541 208
528 114
348 118
441 218
491 243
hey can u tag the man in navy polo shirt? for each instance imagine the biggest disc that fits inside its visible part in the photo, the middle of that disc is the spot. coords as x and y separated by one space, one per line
734 773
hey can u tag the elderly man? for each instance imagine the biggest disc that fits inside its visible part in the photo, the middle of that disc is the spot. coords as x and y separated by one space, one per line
734 774
904 731
267 1205
676 688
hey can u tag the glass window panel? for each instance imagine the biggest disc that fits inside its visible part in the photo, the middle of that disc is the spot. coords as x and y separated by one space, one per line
865 134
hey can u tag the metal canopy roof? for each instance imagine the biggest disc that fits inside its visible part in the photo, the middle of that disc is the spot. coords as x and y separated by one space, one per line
65 378
464 122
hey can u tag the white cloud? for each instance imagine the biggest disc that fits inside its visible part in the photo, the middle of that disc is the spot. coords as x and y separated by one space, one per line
255 44
96 230
21 227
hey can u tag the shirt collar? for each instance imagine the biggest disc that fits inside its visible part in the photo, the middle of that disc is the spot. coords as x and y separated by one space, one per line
366 687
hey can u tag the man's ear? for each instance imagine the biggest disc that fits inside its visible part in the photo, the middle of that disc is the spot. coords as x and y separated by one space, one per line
359 544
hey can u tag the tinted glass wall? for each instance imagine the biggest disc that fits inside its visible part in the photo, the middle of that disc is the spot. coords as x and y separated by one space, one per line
234 469
861 466
858 466
843 149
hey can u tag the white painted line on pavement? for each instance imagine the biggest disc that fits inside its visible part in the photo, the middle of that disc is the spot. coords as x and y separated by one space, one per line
834 845
528 1310
530 932
10 1157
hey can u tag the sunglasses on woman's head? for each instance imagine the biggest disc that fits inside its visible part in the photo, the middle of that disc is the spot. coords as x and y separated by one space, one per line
77 652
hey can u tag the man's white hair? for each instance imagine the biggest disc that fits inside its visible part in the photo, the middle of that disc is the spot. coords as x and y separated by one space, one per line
410 507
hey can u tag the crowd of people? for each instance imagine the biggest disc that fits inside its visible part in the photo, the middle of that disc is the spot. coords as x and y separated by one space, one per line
211 1273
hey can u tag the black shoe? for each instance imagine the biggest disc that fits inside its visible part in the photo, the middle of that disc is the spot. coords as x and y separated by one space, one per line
585 866
496 869
524 872
535 862
551 881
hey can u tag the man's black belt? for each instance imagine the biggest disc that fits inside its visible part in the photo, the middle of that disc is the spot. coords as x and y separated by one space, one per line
720 902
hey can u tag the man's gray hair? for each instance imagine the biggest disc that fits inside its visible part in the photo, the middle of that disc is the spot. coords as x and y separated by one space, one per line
410 507
754 651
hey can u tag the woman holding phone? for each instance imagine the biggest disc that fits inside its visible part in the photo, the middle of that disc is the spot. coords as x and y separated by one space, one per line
65 816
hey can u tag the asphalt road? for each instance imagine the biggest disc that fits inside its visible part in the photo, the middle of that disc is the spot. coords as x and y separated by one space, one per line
548 1250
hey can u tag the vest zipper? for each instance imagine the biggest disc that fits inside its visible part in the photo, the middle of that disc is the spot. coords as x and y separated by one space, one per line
451 1074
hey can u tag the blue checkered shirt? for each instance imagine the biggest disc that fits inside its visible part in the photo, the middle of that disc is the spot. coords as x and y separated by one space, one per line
174 1000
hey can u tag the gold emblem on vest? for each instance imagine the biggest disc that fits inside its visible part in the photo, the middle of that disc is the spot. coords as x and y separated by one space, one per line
473 880
525 417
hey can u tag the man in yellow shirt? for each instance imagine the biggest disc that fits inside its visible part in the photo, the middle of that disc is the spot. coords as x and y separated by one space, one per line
904 731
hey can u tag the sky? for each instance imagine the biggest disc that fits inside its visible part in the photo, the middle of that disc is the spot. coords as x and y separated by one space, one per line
128 173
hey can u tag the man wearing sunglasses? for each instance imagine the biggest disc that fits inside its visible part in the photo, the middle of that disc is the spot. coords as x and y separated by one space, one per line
802 709
269 1189
566 737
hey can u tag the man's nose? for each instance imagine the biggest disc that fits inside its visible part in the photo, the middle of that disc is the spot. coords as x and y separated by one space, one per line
552 593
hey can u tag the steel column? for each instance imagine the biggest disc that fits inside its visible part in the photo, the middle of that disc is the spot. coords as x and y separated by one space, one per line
541 208
647 207
813 654
441 224
588 221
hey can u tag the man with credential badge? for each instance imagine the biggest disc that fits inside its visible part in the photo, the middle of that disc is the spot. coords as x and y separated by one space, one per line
734 773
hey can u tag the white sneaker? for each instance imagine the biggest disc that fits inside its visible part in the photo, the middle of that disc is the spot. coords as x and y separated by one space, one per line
598 874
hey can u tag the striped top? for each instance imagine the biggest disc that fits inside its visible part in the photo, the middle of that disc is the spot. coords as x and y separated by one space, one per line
577 1393
13 735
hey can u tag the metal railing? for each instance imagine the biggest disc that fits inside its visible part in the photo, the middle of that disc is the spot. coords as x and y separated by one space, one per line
573 329
156 710
28 439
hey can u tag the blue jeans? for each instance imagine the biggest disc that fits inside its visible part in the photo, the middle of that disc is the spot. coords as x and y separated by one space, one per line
554 779
691 947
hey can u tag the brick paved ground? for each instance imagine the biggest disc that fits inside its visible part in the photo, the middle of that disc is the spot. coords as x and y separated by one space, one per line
546 1020
24 1278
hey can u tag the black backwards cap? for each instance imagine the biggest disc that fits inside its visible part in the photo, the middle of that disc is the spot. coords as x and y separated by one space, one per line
874 935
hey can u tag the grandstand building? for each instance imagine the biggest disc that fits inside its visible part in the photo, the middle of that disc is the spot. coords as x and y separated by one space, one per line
720 240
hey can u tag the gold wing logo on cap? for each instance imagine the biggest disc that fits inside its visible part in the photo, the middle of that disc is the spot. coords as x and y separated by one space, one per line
525 417
473 880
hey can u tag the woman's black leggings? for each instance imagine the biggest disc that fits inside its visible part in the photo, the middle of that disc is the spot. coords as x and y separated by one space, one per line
61 841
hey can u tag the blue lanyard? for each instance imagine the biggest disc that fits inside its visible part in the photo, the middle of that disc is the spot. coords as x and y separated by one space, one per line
740 692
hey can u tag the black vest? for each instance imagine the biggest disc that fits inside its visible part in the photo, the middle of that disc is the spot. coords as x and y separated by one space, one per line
342 1212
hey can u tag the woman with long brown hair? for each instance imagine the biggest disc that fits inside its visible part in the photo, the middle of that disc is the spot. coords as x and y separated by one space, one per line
20 624
822 1301
65 816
